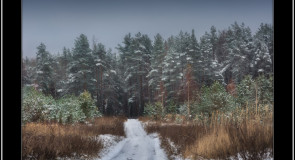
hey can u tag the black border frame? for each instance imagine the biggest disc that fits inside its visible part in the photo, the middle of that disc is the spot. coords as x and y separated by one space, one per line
283 126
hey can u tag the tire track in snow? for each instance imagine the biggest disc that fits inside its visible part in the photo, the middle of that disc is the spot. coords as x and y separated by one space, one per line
137 145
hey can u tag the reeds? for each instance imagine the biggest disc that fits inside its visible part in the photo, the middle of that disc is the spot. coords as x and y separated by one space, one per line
244 132
52 140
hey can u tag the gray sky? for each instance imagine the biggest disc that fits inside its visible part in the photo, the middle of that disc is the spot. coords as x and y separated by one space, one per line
57 23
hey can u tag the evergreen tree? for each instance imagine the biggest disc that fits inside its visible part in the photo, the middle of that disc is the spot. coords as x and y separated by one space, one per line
194 52
124 61
44 70
264 36
261 62
24 72
206 69
80 67
156 73
113 91
240 51
136 59
167 71
213 40
100 67
171 71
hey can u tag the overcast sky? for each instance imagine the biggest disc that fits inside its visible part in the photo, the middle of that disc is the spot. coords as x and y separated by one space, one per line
57 23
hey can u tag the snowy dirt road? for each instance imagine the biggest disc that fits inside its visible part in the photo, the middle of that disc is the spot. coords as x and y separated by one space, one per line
137 145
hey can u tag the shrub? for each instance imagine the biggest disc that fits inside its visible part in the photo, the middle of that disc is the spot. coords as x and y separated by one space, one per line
246 91
265 90
69 110
36 106
183 109
87 105
155 110
73 109
213 98
261 89
171 108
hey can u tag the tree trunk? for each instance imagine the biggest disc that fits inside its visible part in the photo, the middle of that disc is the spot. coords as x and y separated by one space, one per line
101 101
188 107
84 86
97 91
141 99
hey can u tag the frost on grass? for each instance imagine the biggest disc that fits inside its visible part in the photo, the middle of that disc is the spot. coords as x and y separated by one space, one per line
266 156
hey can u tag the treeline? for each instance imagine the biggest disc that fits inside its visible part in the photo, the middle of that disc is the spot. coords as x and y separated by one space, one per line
169 71
255 95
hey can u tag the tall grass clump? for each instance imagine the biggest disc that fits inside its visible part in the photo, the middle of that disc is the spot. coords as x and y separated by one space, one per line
245 133
53 140
222 136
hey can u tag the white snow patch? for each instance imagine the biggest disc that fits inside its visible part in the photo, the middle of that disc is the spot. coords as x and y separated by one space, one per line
137 51
105 74
113 71
188 58
127 78
108 141
131 100
267 156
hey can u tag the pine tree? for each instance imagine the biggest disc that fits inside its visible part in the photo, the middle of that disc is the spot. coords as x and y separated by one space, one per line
99 68
156 73
213 40
264 36
240 51
44 70
124 74
261 62
24 72
195 54
206 60
113 91
171 71
80 67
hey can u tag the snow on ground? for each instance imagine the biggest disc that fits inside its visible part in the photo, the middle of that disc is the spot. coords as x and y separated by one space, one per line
267 156
137 145
108 141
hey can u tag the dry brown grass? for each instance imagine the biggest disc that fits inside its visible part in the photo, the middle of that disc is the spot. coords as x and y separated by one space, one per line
52 140
250 134
144 119
181 135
